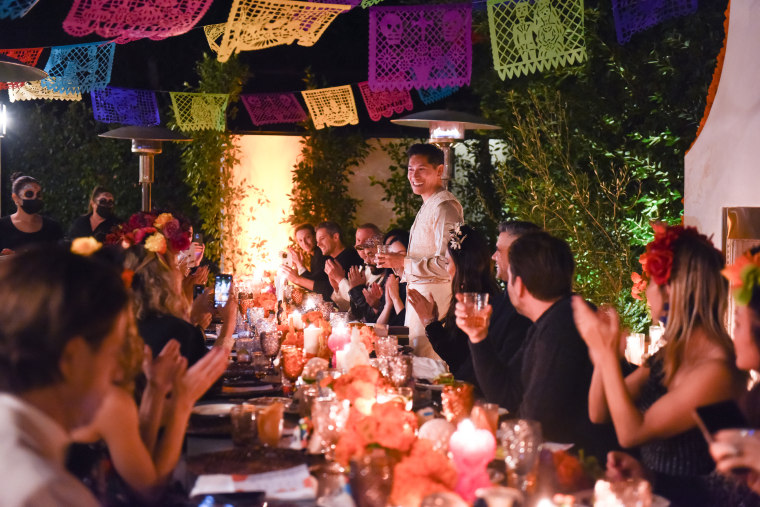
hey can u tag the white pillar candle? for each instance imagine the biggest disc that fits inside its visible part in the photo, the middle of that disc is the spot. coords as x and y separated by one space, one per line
311 339
340 359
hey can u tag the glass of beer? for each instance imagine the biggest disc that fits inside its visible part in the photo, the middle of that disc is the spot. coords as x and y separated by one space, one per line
475 305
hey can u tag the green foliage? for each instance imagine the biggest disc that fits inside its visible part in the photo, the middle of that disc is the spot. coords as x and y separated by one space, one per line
320 178
208 162
396 188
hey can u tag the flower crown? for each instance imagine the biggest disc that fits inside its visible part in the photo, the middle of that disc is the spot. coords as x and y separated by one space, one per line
657 260
158 231
744 277
457 237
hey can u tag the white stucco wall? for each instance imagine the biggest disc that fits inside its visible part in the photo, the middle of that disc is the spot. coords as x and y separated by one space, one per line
721 169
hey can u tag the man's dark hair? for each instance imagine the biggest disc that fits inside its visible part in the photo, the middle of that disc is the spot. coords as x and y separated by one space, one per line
518 227
433 153
372 227
544 263
332 228
305 226
401 235
50 296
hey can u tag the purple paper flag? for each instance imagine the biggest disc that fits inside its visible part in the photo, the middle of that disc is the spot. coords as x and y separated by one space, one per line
122 105
632 16
352 3
381 104
420 46
128 20
430 95
265 108
15 8
79 68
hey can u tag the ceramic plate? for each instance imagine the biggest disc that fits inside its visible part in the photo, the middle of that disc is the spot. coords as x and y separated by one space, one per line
429 387
213 409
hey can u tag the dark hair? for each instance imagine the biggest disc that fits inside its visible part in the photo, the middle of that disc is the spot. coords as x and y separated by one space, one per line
473 268
305 227
18 181
372 227
331 227
401 235
518 227
433 153
51 296
544 264
96 192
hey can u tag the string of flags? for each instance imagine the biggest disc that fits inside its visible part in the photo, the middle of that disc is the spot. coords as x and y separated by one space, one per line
425 47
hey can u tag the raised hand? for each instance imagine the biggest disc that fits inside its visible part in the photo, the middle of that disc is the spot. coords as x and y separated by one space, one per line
190 384
599 329
372 295
356 277
161 370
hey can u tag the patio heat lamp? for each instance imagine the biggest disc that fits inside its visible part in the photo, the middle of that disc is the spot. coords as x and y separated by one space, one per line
446 127
14 71
146 142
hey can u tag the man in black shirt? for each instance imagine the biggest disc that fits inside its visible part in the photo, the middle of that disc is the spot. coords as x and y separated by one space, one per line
548 379
337 255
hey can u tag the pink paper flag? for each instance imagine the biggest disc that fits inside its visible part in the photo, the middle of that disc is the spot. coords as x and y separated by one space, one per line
381 104
265 108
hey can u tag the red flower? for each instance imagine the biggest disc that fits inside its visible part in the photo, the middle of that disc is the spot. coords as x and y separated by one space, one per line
658 264
139 234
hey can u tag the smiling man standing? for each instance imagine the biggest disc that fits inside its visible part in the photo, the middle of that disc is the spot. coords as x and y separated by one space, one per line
424 266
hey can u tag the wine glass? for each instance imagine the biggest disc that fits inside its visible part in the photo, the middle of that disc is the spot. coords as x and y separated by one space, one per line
292 364
270 345
521 440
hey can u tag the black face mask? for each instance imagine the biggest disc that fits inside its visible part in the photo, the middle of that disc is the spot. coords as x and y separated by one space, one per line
104 211
31 206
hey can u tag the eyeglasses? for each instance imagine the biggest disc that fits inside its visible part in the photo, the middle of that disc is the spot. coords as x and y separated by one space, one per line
30 194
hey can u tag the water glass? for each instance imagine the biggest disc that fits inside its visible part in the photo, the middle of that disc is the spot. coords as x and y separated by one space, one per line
382 249
260 364
475 305
386 346
400 370
521 440
244 425
338 319
329 417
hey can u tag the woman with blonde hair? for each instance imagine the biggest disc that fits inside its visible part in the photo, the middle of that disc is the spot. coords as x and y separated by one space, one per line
161 309
652 408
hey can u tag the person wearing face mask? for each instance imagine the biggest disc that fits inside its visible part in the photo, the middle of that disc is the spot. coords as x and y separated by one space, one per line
100 218
27 226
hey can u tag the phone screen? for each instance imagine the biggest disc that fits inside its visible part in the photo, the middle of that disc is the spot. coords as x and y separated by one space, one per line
222 289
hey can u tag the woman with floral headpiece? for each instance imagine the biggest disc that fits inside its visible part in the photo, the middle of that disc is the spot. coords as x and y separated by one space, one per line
652 408
469 265
162 310
740 450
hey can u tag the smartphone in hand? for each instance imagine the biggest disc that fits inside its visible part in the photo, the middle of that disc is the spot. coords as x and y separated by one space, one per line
222 287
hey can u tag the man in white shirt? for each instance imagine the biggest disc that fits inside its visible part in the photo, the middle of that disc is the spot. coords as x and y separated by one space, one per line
62 327
424 266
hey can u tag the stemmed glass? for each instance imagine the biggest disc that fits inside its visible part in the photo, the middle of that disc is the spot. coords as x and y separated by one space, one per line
270 345
292 364
329 416
521 440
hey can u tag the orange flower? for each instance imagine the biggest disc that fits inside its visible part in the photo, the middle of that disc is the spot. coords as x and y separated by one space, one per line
423 472
162 220
639 286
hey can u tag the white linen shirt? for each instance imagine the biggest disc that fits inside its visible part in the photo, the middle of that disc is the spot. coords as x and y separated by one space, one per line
32 453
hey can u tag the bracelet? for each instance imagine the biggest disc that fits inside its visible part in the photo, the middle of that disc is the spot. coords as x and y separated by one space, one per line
428 321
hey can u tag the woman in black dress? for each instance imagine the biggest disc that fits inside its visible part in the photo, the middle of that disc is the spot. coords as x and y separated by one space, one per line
26 226
99 220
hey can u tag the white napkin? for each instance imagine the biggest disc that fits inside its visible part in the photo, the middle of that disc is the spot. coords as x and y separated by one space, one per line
427 368
289 484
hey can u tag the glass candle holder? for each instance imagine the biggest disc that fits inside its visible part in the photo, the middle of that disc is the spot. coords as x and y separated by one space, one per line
457 401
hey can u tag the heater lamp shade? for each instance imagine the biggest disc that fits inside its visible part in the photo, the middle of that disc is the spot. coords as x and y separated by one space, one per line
14 71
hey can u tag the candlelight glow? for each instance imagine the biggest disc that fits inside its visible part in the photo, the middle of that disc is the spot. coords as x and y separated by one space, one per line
266 162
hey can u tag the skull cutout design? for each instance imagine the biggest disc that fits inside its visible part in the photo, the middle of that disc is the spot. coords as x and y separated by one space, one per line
452 26
391 28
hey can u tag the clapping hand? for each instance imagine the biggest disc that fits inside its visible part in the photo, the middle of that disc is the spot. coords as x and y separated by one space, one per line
356 277
200 311
161 370
372 295
334 270
190 384
296 257
474 332
599 329
426 309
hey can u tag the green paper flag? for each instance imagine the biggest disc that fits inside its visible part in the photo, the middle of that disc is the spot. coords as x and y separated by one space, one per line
528 37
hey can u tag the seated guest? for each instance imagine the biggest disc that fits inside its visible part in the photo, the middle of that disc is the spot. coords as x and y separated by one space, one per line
469 265
393 302
652 408
548 378
99 220
62 326
309 254
26 226
492 347
362 284
161 308
338 259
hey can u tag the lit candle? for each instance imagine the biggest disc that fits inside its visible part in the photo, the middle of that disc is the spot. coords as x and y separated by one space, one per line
311 339
472 449
340 359
295 320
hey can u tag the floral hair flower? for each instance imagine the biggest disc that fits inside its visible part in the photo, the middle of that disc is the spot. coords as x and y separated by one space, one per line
457 237
657 260
156 243
743 276
85 246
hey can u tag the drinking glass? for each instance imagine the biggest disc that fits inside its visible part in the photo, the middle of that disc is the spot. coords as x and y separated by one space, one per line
292 363
329 416
371 479
338 319
400 370
326 308
475 305
269 423
521 440
386 346
244 426
381 249
457 401
260 365
270 345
